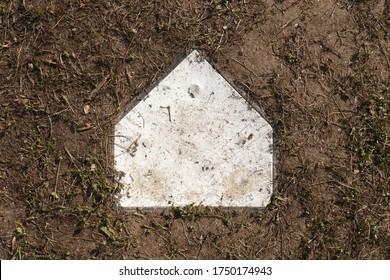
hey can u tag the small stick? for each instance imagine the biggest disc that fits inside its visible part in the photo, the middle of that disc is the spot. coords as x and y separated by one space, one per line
128 76
72 159
57 174
51 128
98 87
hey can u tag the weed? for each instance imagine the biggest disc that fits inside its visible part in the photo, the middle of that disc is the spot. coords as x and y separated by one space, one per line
183 212
291 58
31 17
21 231
109 233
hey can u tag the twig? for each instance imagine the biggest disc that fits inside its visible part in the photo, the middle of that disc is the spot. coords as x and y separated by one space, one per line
200 246
72 159
291 20
246 67
384 50
139 215
98 87
51 128
128 76
67 102
55 25
57 174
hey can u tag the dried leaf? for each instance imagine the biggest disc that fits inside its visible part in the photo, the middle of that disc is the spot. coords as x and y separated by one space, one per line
87 109
22 100
13 243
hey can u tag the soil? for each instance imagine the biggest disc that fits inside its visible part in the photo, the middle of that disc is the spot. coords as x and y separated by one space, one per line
318 69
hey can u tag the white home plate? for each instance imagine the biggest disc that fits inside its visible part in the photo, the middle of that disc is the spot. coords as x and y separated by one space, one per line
194 140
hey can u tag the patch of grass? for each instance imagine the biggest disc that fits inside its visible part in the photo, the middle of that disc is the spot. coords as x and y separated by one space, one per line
292 50
184 212
371 134
92 178
31 16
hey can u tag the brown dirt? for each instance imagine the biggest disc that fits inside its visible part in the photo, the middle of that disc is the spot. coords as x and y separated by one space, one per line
319 70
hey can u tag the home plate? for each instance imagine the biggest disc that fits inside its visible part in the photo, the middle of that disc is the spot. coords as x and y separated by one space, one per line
194 139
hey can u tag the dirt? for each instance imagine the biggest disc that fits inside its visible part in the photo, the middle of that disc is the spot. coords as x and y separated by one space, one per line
318 69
